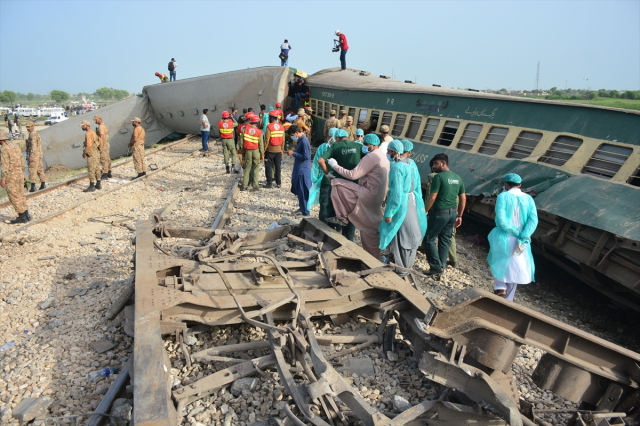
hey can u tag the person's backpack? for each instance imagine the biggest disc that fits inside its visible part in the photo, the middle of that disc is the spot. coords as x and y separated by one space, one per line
171 66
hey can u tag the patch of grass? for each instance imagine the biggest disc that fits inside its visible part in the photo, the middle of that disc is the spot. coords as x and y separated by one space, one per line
606 102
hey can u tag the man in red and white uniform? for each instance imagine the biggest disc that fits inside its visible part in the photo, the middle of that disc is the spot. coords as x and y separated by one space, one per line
225 126
274 144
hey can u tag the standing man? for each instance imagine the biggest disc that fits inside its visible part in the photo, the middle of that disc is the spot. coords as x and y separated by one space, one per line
284 53
16 120
510 256
308 120
279 111
351 129
453 253
12 179
446 192
163 78
347 155
342 40
301 174
92 154
253 142
172 69
105 147
228 142
330 123
301 122
137 143
234 117
384 137
343 118
274 144
204 129
34 156
361 203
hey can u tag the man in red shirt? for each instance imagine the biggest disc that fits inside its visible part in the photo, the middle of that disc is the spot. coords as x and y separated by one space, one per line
343 49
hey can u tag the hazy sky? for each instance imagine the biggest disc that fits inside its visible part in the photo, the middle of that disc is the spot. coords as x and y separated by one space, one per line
79 46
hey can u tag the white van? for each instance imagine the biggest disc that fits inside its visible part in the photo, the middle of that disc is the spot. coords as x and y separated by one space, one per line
47 112
27 112
55 118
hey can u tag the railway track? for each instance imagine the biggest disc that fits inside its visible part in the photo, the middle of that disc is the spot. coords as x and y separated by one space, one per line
72 190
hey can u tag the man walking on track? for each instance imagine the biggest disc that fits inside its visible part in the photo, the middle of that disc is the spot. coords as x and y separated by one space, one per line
92 154
274 143
205 127
12 179
137 145
253 143
34 156
228 141
105 147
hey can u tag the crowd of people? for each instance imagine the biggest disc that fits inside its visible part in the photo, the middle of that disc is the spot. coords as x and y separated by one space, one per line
367 181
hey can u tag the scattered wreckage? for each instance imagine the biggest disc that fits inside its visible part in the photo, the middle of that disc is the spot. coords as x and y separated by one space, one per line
466 344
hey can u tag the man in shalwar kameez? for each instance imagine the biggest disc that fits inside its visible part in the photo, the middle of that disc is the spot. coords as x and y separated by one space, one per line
405 223
510 255
301 175
361 203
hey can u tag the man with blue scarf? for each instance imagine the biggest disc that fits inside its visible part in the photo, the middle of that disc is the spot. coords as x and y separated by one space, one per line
510 255
301 175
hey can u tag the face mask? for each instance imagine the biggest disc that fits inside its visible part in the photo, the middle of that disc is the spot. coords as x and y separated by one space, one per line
294 138
390 158
365 149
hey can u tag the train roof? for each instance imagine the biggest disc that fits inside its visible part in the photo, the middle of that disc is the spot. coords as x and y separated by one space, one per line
350 79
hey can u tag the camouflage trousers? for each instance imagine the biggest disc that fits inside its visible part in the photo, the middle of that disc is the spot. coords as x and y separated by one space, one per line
138 158
15 192
229 149
93 168
36 169
105 157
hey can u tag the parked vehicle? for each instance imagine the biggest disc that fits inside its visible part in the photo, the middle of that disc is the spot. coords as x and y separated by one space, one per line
55 118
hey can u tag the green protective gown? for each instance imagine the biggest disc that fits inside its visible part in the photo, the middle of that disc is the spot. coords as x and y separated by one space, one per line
399 188
500 252
316 177
417 191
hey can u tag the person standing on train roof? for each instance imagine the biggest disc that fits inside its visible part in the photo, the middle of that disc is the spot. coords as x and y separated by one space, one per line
510 255
347 155
384 137
344 47
360 204
446 191
301 174
163 78
284 51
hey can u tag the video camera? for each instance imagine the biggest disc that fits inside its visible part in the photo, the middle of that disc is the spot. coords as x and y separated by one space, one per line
336 46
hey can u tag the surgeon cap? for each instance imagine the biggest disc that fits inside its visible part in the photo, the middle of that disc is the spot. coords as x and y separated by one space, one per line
333 131
359 132
512 178
371 139
396 145
342 133
407 145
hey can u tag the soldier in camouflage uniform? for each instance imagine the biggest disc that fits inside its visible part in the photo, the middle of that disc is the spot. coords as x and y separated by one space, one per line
34 156
92 154
12 179
330 124
343 118
105 149
351 129
137 145
308 120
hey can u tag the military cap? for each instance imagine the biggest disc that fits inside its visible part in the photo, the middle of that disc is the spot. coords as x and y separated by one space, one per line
85 123
301 111
332 112
4 136
136 119
342 112
349 118
384 129
308 109
95 117
30 123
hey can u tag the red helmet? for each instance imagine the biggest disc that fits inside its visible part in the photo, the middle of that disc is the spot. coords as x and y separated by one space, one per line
255 119
157 73
274 113
225 114
248 115
278 105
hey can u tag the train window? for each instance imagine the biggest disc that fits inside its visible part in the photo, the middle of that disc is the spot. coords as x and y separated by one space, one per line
525 144
635 178
561 150
469 137
327 109
352 112
607 160
363 116
398 126
430 130
314 105
386 118
375 116
448 133
493 141
414 125
334 107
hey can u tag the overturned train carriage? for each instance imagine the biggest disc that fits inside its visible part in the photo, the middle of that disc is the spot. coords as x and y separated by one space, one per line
581 163
467 343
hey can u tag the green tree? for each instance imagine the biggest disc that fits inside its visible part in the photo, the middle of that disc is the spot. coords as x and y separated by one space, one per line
30 96
120 94
105 93
8 97
630 94
589 95
603 93
59 96
614 94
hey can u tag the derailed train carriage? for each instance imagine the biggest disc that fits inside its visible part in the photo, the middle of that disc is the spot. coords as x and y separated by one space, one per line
581 163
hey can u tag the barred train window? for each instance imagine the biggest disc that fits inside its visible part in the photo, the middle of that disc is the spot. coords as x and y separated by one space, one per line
398 126
525 144
607 160
414 126
493 141
314 105
386 118
363 116
561 150
635 178
448 132
430 130
469 137
375 116
334 107
352 112
327 108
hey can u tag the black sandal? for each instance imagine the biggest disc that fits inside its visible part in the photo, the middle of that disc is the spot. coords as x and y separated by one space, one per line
336 221
499 293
